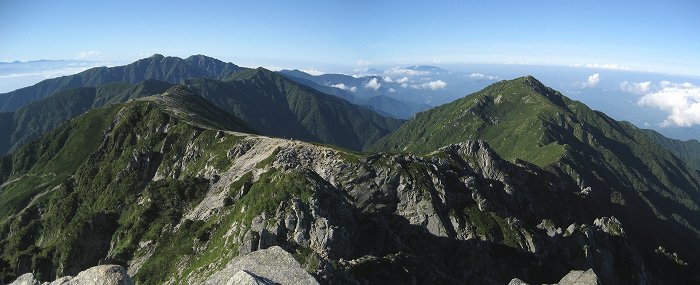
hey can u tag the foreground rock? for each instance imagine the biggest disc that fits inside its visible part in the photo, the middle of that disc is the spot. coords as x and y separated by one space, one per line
266 266
574 277
98 275
579 277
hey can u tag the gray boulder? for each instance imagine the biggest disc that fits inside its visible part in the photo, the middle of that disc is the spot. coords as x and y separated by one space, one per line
579 277
98 275
26 279
574 277
267 266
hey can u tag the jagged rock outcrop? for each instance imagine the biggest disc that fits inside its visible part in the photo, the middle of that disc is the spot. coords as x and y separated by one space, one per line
579 277
266 266
610 225
98 275
359 213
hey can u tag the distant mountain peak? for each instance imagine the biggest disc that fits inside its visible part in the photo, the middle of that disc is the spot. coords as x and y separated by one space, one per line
527 80
532 81
252 73
427 68
201 56
526 89
204 58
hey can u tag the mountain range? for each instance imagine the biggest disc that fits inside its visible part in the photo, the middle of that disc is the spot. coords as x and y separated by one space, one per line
158 67
269 102
177 170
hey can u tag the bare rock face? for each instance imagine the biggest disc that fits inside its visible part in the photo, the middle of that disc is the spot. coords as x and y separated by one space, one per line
26 279
266 266
246 278
98 275
579 277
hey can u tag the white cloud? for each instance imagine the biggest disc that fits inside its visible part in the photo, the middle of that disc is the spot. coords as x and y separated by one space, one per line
402 80
312 72
388 79
680 100
602 66
373 83
392 90
89 54
344 87
636 88
433 85
591 81
481 76
404 85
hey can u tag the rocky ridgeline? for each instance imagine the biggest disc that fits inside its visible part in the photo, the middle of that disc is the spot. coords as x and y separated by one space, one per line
383 210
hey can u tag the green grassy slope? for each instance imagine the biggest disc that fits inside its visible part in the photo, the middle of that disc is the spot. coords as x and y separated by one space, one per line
6 128
39 117
498 114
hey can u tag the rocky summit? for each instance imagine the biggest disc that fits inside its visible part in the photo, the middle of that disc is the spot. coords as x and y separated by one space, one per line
172 188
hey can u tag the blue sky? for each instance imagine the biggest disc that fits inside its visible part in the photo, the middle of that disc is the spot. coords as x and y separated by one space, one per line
641 35
598 52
